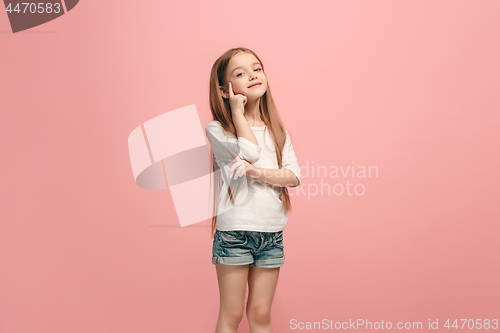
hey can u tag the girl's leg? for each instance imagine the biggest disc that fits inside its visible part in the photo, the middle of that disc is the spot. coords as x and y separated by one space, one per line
232 289
261 287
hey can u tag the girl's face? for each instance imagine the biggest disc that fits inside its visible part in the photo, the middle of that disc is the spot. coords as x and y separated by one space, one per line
244 71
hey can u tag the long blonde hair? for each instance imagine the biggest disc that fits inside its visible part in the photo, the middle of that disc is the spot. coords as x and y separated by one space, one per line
221 111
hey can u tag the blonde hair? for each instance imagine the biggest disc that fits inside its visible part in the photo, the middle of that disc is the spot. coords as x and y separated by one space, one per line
221 111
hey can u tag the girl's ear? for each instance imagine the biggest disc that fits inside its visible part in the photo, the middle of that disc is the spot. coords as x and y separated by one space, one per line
223 92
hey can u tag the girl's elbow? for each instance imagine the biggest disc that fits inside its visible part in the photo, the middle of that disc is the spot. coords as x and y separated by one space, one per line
251 157
296 180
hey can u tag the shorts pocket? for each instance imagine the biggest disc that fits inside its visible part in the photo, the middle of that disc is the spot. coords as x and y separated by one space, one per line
278 239
232 238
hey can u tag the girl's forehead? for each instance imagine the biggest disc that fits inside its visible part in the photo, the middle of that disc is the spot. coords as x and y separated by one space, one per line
242 58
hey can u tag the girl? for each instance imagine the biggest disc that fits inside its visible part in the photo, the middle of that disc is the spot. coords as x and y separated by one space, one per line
253 152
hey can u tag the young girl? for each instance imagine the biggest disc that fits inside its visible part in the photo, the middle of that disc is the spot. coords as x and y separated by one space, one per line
253 152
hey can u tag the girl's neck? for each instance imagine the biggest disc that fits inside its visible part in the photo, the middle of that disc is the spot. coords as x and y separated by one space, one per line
252 113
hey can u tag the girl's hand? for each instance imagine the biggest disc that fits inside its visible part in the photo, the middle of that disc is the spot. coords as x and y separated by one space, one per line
241 167
238 101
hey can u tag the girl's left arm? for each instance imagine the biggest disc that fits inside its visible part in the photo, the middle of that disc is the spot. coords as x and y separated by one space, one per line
288 175
277 177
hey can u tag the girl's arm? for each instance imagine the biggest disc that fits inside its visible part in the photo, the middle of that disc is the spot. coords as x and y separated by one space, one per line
289 175
243 128
220 142
237 102
277 177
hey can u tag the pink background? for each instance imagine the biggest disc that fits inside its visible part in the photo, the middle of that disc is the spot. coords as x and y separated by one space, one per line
411 87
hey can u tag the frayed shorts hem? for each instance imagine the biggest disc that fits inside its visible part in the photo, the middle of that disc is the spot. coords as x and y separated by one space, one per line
249 260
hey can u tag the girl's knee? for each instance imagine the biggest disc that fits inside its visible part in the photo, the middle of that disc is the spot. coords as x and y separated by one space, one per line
260 315
232 316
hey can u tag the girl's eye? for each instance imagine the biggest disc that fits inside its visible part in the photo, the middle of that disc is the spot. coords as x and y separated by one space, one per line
257 69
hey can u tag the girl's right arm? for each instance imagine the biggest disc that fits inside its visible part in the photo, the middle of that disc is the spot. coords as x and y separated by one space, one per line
220 142
237 103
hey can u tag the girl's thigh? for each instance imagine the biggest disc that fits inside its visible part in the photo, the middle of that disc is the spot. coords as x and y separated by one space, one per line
232 281
262 284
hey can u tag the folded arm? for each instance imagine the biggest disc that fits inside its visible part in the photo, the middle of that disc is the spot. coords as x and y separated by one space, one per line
288 175
220 142
277 177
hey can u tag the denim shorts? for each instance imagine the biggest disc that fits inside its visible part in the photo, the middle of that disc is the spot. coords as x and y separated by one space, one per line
243 247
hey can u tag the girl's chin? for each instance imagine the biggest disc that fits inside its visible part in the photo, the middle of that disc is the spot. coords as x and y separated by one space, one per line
253 98
254 95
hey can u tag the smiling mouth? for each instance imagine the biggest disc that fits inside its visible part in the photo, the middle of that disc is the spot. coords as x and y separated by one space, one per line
255 85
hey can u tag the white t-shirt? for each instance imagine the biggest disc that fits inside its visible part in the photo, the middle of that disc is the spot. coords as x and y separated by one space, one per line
257 204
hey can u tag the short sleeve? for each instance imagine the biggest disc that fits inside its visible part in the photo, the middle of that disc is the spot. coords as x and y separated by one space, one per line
244 148
290 159
220 142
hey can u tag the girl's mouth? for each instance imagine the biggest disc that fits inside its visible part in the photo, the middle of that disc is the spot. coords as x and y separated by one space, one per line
255 85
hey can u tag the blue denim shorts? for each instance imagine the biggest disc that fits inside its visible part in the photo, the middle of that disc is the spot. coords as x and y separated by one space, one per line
243 247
